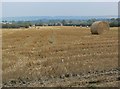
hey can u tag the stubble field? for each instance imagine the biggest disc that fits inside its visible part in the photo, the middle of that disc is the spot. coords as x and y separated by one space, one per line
59 56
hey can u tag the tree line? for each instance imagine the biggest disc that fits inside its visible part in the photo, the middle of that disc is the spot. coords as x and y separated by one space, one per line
16 24
114 22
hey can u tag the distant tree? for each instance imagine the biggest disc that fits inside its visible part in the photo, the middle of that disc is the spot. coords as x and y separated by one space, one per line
113 19
63 22
70 21
114 24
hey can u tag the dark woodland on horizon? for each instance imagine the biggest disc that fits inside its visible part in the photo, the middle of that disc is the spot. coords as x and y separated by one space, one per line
26 22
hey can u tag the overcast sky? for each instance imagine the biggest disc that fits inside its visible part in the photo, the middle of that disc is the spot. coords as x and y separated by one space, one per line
60 0
13 9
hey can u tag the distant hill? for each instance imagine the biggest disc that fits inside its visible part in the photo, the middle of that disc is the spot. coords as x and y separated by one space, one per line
33 18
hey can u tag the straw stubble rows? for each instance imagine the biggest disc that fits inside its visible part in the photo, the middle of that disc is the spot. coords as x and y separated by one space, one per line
59 56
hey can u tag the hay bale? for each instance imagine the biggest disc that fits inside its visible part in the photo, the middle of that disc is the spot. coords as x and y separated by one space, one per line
99 27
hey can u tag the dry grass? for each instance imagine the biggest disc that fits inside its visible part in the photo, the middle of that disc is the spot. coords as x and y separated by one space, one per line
54 53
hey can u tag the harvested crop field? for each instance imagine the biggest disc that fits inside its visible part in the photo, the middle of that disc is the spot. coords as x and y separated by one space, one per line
59 56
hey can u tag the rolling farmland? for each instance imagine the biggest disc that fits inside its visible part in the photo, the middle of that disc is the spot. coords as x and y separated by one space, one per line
59 56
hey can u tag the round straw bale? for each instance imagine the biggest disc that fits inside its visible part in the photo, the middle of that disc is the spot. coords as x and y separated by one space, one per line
99 27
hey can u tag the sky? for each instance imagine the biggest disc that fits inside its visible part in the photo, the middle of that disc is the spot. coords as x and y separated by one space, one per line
60 0
15 9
